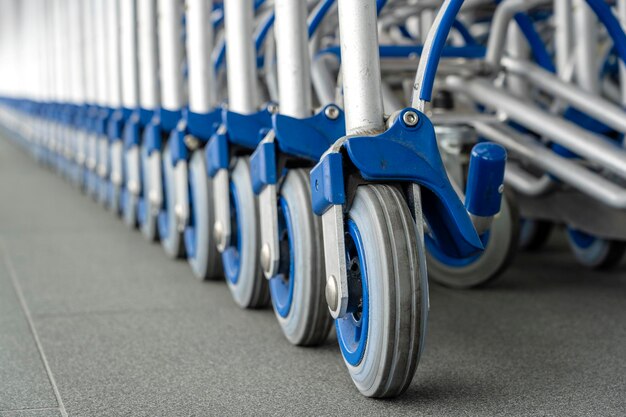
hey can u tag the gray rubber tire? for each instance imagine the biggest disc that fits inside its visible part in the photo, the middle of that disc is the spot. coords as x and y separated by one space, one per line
308 321
499 252
206 263
149 226
251 289
173 244
602 254
396 329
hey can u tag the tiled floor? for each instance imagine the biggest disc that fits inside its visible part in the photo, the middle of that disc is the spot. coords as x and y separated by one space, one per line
95 321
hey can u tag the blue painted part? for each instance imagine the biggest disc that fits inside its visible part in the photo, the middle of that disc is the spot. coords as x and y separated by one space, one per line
116 123
613 26
411 154
152 136
263 167
169 118
585 121
231 257
327 183
217 154
262 33
131 131
246 130
438 43
434 249
317 19
190 234
352 329
178 148
145 116
581 239
308 138
404 51
484 179
538 48
221 56
101 121
282 284
379 5
468 38
203 125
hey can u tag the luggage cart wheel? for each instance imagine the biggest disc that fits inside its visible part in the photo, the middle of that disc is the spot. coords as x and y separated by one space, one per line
171 238
594 252
298 289
500 247
240 258
146 214
200 245
382 333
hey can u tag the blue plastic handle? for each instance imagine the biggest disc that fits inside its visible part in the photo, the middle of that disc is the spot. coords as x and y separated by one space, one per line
485 178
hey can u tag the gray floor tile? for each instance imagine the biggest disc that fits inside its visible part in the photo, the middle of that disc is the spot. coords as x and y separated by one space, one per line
23 379
49 412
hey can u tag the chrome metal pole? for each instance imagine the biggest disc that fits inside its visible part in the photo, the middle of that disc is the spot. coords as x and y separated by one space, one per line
360 67
170 17
240 56
149 93
200 37
129 64
294 67
586 34
562 34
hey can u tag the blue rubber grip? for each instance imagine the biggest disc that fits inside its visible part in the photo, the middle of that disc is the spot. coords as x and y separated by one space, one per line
485 179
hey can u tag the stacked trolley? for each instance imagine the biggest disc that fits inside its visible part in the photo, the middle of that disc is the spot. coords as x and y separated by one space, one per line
270 144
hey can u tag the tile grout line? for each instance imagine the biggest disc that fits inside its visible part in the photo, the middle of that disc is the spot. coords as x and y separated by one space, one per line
18 291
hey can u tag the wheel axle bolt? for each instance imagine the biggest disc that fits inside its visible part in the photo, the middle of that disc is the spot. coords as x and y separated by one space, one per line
265 257
331 112
332 293
410 118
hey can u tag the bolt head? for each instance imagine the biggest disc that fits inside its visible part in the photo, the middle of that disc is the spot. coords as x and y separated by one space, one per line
272 108
332 293
331 112
410 118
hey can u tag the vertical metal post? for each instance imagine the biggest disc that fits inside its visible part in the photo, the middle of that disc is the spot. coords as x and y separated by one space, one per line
170 19
563 35
202 85
586 32
293 61
128 45
360 67
149 94
240 56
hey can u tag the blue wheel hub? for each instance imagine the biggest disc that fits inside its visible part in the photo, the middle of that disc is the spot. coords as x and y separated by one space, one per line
281 285
352 329
163 218
581 239
191 238
231 257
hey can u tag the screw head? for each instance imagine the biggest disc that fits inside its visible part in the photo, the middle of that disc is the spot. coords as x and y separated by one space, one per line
265 257
331 112
332 293
272 108
410 118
